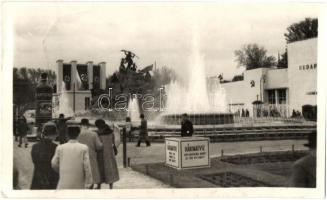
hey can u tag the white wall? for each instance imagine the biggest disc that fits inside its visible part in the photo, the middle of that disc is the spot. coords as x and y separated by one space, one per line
302 81
241 92
277 78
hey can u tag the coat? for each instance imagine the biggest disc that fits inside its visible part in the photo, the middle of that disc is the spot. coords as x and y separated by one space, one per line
44 177
144 129
92 141
304 172
72 162
106 158
62 131
22 127
186 128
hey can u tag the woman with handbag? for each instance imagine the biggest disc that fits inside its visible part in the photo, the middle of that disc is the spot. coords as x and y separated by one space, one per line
107 157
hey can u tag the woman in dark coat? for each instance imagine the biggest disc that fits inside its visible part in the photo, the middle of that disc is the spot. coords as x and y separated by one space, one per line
44 177
22 129
106 158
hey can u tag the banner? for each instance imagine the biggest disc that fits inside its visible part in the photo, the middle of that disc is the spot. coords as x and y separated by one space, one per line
82 77
96 76
66 74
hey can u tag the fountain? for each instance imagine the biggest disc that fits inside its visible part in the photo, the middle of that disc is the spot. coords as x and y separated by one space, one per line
204 103
64 103
133 110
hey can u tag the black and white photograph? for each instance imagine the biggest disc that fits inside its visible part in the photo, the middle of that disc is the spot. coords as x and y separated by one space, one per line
107 97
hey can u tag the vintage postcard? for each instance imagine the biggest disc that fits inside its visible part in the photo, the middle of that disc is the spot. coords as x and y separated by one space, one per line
182 99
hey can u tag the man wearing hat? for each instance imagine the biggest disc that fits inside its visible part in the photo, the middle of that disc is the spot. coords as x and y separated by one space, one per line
304 169
72 162
62 128
186 126
92 141
44 177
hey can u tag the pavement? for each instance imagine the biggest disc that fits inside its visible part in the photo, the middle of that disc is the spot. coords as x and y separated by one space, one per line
130 179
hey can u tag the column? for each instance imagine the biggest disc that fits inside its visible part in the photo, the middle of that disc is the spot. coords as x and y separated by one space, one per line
73 74
103 75
90 74
59 75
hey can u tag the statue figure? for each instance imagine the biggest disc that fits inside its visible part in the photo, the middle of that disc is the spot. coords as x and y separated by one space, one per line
129 58
122 66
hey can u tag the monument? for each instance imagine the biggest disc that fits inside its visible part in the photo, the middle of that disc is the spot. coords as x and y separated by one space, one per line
43 101
187 152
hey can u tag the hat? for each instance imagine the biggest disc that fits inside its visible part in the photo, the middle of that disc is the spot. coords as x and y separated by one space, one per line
312 140
61 116
85 122
73 132
49 129
99 122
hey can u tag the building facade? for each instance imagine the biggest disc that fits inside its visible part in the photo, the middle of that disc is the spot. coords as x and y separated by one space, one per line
75 83
278 92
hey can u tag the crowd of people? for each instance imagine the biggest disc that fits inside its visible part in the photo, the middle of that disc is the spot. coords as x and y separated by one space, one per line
84 159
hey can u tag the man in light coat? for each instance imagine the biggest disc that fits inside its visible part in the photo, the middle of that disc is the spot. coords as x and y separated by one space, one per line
72 162
92 141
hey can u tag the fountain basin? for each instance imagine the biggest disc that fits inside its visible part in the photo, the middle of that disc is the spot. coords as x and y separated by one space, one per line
200 118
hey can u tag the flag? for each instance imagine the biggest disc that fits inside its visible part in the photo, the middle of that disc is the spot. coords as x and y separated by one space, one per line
96 77
66 73
147 68
82 77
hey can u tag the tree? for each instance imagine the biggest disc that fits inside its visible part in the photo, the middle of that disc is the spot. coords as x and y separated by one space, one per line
302 30
283 61
252 56
25 81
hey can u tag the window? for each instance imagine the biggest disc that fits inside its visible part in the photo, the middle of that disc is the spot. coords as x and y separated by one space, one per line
281 96
271 97
87 103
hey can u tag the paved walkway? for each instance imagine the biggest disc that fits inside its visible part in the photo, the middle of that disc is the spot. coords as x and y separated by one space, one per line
130 179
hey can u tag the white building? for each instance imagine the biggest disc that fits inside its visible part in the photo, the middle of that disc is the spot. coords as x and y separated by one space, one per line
285 89
75 83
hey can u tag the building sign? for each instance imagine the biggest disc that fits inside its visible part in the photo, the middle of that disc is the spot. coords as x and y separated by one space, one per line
252 83
195 153
172 153
308 67
187 152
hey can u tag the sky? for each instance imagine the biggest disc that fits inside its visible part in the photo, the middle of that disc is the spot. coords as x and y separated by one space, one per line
164 33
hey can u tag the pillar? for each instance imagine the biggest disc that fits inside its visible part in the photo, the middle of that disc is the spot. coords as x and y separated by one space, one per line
73 74
102 75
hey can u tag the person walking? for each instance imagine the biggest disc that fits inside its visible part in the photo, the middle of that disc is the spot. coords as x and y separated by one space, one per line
44 177
128 128
92 141
143 135
72 162
62 128
106 159
22 129
304 169
186 126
